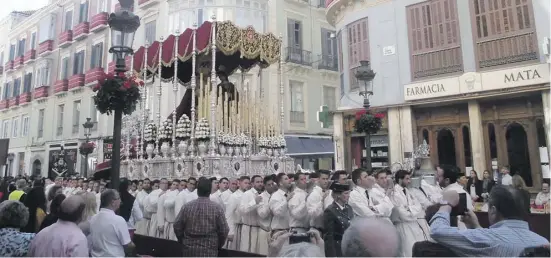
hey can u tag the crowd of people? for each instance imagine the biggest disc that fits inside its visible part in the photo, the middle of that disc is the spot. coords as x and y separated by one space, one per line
334 214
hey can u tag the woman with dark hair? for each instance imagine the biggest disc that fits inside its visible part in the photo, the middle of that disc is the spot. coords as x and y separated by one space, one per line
129 208
474 187
36 202
52 217
52 193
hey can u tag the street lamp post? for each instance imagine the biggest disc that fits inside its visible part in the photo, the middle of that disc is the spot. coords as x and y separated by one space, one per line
87 128
123 25
365 74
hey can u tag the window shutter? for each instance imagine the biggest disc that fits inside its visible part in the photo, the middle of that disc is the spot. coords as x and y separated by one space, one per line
99 53
290 33
324 47
298 27
93 58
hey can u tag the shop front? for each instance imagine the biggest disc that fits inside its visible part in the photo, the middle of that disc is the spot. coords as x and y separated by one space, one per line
483 121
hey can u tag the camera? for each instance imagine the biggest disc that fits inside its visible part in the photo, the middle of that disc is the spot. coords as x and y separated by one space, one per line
461 207
299 238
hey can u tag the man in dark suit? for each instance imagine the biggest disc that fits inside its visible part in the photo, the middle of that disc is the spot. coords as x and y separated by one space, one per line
201 225
336 219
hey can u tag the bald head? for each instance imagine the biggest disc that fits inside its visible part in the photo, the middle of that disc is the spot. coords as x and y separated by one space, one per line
71 208
370 237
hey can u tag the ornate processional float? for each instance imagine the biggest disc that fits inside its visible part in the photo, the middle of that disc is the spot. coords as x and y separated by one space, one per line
218 128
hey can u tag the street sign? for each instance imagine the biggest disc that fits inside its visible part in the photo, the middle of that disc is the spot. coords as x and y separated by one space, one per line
325 117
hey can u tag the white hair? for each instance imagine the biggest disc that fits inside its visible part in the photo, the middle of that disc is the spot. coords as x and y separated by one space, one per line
301 250
362 237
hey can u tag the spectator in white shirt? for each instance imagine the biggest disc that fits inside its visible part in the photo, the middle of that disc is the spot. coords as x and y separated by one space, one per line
506 178
109 234
543 197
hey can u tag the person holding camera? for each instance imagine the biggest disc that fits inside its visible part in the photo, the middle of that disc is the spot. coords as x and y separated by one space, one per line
336 219
508 235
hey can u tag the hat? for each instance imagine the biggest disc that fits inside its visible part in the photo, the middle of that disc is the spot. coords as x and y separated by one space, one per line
339 188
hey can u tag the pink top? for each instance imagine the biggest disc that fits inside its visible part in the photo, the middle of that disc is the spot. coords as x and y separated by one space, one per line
62 239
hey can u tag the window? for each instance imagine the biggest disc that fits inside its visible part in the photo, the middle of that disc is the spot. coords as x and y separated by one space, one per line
25 126
43 76
7 91
21 47
328 58
434 39
16 87
93 115
33 40
2 58
102 6
358 47
329 98
83 12
60 111
27 82
40 133
150 32
76 116
46 28
15 128
78 63
505 32
294 34
12 52
6 129
68 25
64 68
297 108
96 60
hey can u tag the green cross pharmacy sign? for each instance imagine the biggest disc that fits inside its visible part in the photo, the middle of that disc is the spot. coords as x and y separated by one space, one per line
325 117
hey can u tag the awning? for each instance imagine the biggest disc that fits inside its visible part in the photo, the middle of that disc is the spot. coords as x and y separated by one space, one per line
306 146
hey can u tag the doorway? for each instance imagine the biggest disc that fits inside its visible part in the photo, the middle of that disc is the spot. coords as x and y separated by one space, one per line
517 151
37 168
446 147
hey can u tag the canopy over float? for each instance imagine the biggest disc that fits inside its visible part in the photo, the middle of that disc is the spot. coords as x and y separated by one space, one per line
227 129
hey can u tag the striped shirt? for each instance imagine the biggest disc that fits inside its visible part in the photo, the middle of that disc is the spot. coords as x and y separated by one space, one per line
507 238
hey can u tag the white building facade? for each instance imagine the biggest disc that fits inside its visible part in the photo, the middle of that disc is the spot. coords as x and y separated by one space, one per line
60 51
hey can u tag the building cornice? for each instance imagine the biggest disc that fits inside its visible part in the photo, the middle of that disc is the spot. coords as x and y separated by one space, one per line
336 9
33 19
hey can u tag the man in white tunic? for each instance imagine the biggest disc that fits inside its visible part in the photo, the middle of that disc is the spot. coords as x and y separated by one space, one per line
142 226
165 211
265 215
314 201
367 201
233 217
299 221
279 204
251 220
215 191
151 203
406 213
225 193
182 197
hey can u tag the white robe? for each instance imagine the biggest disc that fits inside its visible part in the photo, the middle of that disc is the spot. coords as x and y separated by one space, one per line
298 221
233 219
180 200
328 200
265 218
150 205
315 207
142 226
166 215
378 204
250 229
406 210
425 202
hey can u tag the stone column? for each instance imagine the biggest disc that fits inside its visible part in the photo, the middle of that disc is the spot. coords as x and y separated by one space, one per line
400 133
477 138
546 100
338 140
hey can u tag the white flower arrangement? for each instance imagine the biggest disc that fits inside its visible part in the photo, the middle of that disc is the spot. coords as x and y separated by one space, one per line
150 133
263 142
244 140
281 142
165 132
183 128
202 130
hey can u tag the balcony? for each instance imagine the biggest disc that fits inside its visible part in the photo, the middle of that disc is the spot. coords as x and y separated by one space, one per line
18 62
41 92
9 66
81 31
93 75
99 22
514 49
14 102
328 62
4 104
146 3
436 63
45 47
61 86
297 117
29 56
76 81
65 39
25 98
298 56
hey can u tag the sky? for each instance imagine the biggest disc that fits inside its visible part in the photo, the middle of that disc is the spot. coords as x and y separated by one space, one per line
7 6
